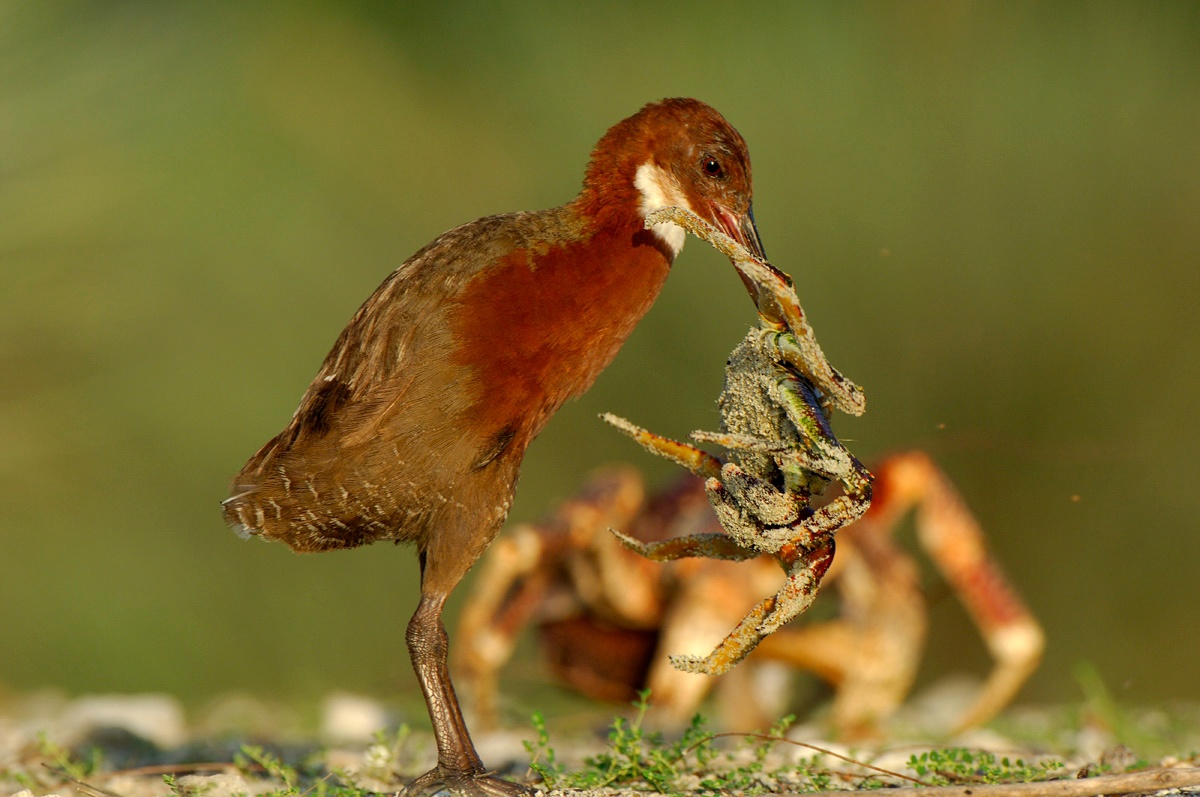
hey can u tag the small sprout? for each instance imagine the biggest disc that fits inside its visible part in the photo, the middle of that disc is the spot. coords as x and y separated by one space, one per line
378 760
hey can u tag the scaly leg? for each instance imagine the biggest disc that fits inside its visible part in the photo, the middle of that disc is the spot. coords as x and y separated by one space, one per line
459 767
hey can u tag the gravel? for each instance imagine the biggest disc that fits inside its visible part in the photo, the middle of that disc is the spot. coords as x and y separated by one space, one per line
49 742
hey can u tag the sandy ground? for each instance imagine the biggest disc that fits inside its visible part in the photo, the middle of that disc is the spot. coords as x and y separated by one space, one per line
124 745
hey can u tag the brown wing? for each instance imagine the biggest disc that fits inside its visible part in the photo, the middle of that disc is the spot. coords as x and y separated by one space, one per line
377 437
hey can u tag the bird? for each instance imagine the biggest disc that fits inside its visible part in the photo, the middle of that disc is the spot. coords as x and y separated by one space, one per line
415 426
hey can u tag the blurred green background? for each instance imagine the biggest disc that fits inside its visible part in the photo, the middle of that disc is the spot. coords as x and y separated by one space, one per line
992 212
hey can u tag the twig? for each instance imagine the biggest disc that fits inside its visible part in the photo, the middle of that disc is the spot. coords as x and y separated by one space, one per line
822 750
185 769
1150 780
86 788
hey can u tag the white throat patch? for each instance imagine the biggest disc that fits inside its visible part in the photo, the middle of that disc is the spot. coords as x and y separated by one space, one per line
659 190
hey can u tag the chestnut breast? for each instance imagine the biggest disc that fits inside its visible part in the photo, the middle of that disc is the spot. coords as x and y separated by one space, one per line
423 408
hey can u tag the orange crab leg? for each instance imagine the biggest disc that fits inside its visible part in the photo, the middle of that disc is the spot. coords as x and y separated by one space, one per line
956 543
694 459
736 646
805 569
699 546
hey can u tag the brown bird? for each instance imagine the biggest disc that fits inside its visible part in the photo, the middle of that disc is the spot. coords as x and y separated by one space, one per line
415 427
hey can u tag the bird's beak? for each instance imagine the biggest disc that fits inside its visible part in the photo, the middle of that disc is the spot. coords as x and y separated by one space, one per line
749 234
761 280
741 228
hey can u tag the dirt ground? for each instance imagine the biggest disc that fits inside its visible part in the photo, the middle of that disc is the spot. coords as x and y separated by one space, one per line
149 746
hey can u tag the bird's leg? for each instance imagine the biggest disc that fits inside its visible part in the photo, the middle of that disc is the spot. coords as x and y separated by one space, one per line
428 646
459 768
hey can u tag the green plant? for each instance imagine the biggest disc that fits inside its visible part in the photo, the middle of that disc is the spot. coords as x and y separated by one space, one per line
270 763
62 760
634 756
954 765
543 761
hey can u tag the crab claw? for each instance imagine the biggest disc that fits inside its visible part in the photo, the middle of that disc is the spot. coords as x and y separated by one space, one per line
770 288
774 296
772 291
736 237
744 231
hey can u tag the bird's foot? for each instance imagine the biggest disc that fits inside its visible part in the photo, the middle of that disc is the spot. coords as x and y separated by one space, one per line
465 783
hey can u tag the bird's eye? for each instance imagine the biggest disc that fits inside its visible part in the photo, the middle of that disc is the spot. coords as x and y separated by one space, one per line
712 167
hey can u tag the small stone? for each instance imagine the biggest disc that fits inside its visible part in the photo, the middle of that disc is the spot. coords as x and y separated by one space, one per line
157 718
347 718
1118 758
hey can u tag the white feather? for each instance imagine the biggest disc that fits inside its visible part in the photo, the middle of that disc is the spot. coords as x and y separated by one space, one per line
659 190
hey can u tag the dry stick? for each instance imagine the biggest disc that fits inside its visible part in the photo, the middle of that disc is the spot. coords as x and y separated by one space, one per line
822 750
186 769
159 769
1129 783
1150 780
87 788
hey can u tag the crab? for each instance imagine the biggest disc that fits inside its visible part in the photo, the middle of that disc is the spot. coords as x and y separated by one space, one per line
608 617
782 453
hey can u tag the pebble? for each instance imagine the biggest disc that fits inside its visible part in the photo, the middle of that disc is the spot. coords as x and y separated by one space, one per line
351 719
156 718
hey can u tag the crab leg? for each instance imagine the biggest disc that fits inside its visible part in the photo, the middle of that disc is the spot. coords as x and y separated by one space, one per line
697 461
948 530
733 648
805 569
705 546
759 445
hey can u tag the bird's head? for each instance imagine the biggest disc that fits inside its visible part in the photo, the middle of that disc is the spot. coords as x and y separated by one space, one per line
677 152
